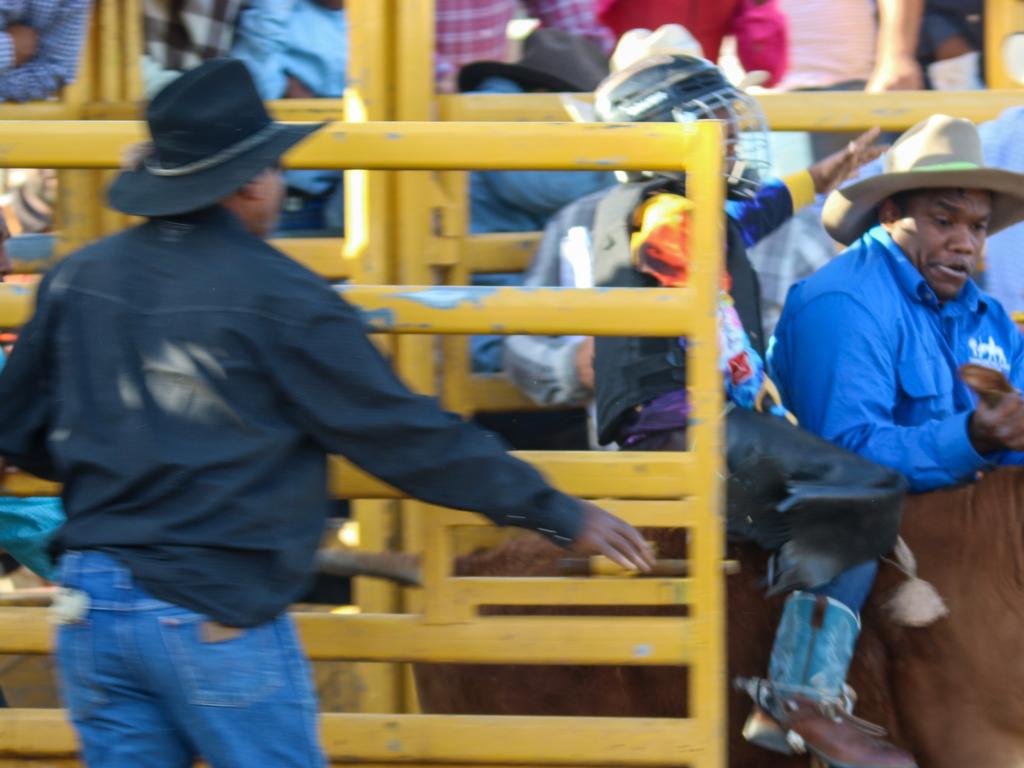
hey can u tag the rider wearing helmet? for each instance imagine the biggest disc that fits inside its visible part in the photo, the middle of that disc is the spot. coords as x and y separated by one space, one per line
785 485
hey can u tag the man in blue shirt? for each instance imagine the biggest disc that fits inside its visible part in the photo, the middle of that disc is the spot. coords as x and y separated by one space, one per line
867 349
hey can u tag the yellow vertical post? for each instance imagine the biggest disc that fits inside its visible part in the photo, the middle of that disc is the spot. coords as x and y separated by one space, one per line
414 355
132 38
1002 19
457 370
368 244
369 96
76 221
707 675
112 74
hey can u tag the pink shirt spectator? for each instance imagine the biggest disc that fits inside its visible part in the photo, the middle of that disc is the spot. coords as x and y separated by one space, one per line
831 42
474 30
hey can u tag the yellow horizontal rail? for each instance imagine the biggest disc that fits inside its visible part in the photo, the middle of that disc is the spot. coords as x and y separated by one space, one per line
382 637
39 110
489 393
478 309
323 255
570 591
553 311
500 252
393 739
588 474
818 111
387 145
294 110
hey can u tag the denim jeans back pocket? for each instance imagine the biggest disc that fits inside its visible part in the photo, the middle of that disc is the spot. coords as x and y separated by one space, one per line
78 670
233 671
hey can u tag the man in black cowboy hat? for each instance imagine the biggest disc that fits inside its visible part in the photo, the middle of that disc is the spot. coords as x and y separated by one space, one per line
186 382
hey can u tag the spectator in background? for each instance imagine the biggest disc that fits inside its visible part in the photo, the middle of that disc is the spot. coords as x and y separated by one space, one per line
852 45
758 25
839 45
40 47
181 34
298 49
27 211
523 201
475 30
952 37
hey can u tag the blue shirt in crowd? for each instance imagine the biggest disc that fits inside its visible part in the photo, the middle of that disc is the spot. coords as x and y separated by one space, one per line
866 356
297 38
60 26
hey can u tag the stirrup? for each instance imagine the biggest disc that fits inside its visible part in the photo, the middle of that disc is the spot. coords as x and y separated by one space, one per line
774 698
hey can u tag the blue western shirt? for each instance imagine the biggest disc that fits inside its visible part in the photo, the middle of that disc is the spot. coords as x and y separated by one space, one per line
866 356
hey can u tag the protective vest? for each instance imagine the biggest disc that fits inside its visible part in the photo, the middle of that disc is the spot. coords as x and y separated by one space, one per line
634 370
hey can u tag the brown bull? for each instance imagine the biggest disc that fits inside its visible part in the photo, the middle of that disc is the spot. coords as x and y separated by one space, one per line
950 692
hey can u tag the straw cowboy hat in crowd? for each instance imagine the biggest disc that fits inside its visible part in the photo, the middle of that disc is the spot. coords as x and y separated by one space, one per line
211 135
937 153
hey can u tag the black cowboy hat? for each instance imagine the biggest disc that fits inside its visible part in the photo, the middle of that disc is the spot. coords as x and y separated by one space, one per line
211 136
552 59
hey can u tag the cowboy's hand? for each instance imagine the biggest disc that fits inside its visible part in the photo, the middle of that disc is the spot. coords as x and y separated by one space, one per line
899 73
828 173
583 361
998 425
25 42
602 533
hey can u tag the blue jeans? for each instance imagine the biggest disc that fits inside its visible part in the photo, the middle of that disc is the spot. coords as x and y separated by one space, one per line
852 586
151 684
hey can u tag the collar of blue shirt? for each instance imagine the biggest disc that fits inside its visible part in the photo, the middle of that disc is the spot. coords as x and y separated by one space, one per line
913 284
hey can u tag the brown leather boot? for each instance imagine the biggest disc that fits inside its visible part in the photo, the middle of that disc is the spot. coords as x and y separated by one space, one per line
841 740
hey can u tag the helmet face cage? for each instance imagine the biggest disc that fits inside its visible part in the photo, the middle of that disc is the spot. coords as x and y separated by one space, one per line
747 150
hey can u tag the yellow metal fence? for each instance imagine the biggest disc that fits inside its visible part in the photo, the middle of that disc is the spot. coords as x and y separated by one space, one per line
412 228
661 490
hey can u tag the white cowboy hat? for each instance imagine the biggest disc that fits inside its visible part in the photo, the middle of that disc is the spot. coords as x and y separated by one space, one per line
640 43
940 152
634 45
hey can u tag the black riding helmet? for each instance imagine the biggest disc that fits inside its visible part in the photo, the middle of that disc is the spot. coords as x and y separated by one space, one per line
677 88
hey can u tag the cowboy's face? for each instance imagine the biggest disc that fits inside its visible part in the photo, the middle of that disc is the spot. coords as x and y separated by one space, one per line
942 233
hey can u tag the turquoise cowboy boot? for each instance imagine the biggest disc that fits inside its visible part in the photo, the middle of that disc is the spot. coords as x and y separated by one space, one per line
805 705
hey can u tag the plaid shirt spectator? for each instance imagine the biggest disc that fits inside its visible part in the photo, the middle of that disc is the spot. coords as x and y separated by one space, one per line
181 34
474 30
60 26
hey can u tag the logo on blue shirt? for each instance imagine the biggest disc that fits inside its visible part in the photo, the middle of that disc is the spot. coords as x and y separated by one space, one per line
988 353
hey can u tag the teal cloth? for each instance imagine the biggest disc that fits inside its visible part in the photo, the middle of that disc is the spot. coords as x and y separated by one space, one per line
26 527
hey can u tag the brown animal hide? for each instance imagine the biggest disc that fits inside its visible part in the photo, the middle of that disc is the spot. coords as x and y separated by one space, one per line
951 692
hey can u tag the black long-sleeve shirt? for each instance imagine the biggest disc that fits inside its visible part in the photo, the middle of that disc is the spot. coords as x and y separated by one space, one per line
186 382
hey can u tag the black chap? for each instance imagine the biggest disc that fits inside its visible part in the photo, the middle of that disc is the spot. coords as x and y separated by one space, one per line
819 508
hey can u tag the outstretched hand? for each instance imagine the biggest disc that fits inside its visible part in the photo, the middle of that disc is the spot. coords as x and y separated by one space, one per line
602 533
828 173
